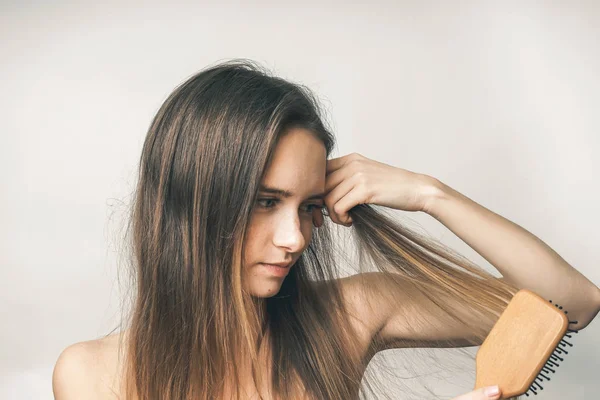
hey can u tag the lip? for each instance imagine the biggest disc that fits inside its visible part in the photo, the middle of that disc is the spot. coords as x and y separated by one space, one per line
276 270
280 264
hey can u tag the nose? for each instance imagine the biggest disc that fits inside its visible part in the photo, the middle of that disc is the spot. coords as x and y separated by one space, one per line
288 233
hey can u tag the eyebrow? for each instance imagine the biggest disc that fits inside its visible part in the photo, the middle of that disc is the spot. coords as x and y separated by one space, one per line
287 193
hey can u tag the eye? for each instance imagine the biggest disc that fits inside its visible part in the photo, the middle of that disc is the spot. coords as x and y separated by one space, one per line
314 207
275 201
271 202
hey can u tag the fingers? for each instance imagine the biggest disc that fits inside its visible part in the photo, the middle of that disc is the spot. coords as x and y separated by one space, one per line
333 179
336 163
344 197
485 393
339 187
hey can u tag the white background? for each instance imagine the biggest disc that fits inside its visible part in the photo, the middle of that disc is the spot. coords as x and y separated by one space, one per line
500 101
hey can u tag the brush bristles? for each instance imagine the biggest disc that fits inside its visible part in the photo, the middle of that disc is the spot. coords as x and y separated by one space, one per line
553 360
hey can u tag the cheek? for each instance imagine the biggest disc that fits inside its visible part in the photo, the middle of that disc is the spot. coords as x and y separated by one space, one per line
308 233
251 241
258 239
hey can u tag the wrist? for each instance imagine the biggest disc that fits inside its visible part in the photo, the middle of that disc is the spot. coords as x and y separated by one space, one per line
434 191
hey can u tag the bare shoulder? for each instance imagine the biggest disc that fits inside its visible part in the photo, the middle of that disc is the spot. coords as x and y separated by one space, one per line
88 369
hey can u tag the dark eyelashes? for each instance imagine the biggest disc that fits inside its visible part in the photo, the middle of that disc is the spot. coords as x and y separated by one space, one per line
275 201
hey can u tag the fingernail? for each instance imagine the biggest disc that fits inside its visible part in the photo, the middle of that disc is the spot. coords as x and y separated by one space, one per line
492 391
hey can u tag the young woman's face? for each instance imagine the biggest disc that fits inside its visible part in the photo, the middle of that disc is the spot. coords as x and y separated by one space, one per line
281 226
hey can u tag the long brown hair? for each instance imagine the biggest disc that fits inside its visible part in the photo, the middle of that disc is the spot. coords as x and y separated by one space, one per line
202 162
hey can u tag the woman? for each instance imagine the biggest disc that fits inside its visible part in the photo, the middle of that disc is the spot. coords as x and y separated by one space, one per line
235 175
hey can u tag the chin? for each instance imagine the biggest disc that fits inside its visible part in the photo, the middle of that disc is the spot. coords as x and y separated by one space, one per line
265 290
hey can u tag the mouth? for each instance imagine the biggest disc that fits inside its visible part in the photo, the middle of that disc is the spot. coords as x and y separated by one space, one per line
277 270
283 264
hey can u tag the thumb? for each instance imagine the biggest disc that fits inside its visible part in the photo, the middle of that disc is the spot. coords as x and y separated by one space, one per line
484 393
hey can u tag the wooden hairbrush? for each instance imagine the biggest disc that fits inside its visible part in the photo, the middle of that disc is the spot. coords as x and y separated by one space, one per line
524 346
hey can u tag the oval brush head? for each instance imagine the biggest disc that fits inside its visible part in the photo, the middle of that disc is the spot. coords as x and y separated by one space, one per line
524 345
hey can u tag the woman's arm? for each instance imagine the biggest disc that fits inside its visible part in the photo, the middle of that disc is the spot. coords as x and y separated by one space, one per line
522 258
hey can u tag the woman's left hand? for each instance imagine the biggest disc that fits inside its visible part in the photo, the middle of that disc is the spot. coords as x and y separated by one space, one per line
354 179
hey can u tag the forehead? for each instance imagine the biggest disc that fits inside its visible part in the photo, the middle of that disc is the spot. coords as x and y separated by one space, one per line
299 162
